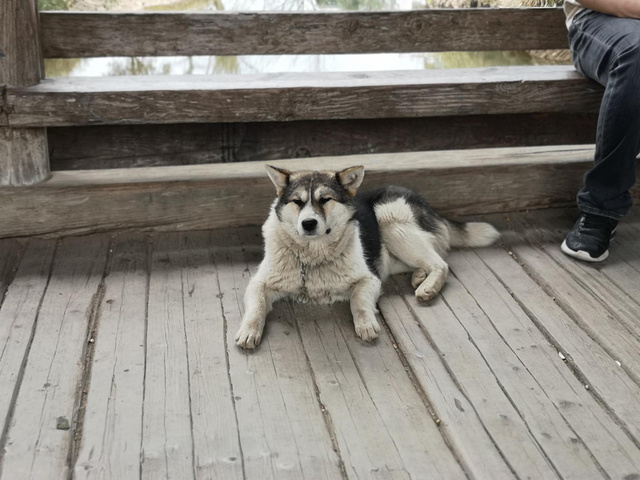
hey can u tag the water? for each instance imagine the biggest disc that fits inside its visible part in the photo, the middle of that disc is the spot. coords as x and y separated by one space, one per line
199 65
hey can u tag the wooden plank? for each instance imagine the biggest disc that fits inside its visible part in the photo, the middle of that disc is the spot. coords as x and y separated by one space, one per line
24 158
301 96
112 427
459 422
568 422
216 443
74 35
283 431
383 428
18 316
595 367
21 59
167 441
38 441
123 146
483 390
11 251
600 308
233 194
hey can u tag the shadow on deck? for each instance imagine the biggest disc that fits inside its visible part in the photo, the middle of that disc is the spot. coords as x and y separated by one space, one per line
117 361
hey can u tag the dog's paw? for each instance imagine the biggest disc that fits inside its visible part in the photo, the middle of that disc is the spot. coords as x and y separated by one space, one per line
367 330
424 293
418 277
248 337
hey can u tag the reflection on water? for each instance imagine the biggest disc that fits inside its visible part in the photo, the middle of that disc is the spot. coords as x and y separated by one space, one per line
199 65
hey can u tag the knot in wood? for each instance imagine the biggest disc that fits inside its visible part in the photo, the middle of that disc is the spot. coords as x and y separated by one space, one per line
416 26
350 27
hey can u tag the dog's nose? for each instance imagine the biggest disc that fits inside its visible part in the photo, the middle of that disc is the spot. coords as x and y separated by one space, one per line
309 225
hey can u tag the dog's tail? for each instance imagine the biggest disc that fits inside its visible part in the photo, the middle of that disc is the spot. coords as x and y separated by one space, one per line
471 234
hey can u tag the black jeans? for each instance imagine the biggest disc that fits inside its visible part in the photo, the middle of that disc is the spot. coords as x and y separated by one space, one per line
607 50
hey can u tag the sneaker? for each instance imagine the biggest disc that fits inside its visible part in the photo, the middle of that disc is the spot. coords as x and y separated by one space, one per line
589 238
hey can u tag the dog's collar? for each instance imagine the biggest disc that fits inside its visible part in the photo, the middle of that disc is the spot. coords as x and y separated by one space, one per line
304 293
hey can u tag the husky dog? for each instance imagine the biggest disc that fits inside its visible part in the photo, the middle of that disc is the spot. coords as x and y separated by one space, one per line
324 243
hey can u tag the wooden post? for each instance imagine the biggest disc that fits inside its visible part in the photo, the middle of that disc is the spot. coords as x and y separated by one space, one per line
24 156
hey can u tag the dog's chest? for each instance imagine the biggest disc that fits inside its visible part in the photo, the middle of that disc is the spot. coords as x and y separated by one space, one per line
325 283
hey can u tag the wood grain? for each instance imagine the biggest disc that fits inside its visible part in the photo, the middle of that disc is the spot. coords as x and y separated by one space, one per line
167 442
112 427
298 96
459 422
585 355
75 35
383 428
216 444
24 156
40 433
18 316
235 194
123 146
574 430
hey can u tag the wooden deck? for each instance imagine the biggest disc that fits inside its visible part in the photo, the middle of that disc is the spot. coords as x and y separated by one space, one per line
117 361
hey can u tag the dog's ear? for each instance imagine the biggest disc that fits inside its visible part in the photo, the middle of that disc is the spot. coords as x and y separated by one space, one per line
351 178
279 177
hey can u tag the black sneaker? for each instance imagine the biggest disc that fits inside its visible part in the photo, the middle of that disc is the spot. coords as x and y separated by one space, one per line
589 238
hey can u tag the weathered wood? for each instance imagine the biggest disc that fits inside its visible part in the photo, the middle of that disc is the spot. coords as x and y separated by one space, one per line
216 445
482 389
24 156
298 96
20 55
383 428
596 367
282 430
17 319
167 442
74 35
10 254
567 421
122 146
39 437
588 299
112 427
459 422
234 194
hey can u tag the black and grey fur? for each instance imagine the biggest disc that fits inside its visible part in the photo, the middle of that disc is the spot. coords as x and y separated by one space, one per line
325 243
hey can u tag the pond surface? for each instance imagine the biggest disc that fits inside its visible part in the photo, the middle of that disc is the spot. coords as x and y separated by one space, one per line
200 65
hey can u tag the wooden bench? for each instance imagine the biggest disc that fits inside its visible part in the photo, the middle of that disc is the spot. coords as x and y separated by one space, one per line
162 122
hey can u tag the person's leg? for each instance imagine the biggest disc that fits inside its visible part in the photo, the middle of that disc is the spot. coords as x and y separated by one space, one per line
607 50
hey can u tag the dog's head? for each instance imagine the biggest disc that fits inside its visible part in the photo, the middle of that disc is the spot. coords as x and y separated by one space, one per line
313 205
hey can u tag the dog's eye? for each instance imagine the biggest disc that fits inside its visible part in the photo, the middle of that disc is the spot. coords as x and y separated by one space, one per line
324 200
298 202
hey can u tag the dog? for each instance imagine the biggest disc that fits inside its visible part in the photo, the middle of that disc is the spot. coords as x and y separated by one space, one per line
324 243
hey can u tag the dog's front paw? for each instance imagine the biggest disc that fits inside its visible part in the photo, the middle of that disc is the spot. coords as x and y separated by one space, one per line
425 292
367 330
248 336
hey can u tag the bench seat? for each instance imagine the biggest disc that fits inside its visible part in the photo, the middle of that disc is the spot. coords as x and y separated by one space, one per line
78 101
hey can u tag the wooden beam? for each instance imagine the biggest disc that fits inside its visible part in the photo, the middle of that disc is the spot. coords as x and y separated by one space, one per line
24 156
122 146
74 35
295 96
235 194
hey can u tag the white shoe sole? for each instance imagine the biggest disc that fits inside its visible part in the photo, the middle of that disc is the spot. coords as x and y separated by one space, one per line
582 255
